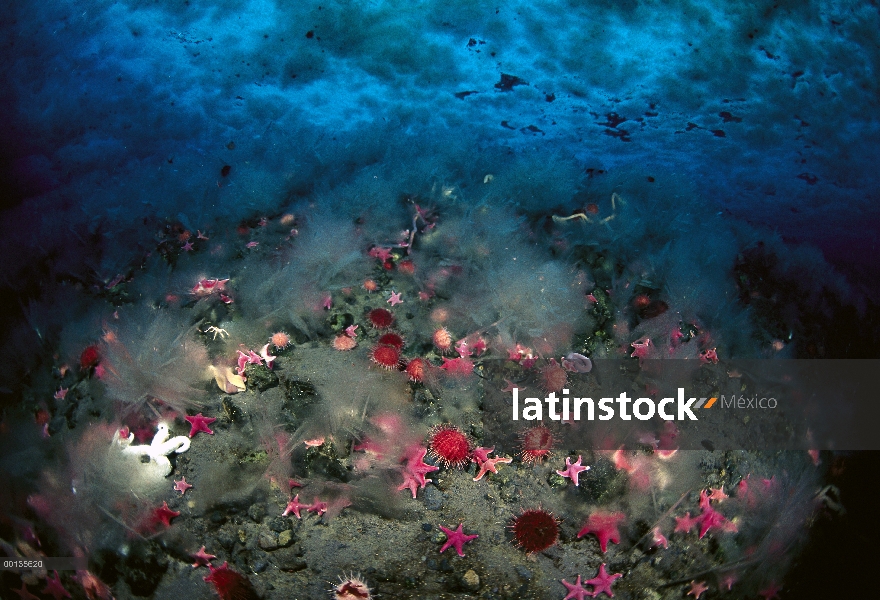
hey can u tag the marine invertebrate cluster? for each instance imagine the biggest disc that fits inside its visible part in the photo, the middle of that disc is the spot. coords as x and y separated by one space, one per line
365 412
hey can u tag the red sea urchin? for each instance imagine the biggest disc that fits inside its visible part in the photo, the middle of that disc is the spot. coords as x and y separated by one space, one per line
386 357
89 358
449 445
535 530
381 318
391 339
537 443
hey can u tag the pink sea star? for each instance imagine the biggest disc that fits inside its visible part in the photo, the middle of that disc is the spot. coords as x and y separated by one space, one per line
457 366
697 589
575 590
456 539
163 515
486 464
202 558
602 582
415 469
24 593
199 423
572 471
54 588
604 526
394 299
294 506
181 486
658 539
686 523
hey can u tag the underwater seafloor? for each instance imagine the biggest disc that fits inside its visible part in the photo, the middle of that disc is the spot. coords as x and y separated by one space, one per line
356 368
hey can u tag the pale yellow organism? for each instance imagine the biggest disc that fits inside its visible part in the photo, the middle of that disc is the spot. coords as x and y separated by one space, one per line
227 380
216 331
615 198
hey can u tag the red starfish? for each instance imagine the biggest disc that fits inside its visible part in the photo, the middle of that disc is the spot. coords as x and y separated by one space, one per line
415 470
203 559
24 594
181 486
511 386
163 515
382 254
709 517
771 591
456 539
317 507
602 582
716 494
54 588
575 590
199 423
697 589
573 470
294 506
658 538
728 580
457 366
394 300
686 523
486 464
604 526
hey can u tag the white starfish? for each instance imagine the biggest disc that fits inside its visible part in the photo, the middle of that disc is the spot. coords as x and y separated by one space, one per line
158 450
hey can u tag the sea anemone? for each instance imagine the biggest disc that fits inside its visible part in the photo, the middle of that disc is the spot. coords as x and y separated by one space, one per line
442 340
553 377
351 587
344 343
229 584
416 369
280 340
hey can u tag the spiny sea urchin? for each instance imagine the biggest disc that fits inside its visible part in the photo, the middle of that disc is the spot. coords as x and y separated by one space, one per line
535 530
391 339
381 318
450 445
387 357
